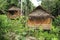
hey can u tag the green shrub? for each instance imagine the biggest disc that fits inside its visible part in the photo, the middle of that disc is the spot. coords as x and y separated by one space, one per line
3 23
18 30
56 21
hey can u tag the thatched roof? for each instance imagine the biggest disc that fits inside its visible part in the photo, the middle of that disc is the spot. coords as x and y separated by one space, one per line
13 8
39 12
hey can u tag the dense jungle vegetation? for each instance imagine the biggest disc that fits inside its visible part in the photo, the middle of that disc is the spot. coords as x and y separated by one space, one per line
18 29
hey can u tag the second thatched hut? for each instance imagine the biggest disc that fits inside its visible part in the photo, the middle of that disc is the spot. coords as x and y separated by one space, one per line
14 12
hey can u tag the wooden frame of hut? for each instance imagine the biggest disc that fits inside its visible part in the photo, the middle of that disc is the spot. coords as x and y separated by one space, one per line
14 12
40 18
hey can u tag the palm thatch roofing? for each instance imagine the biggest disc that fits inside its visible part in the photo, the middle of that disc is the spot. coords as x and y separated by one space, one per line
13 8
39 12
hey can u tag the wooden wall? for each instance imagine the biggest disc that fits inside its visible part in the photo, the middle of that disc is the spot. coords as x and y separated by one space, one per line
16 15
42 22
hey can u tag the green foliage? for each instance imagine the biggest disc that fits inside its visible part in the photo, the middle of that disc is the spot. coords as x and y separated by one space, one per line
56 21
4 4
18 30
27 7
3 23
52 6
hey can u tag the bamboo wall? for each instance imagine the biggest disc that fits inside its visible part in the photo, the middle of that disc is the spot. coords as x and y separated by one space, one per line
45 23
16 15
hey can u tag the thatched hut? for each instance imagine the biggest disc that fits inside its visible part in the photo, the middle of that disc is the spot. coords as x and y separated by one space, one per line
40 18
13 12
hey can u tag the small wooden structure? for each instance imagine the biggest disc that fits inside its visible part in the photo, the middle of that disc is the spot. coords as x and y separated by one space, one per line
14 12
40 18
